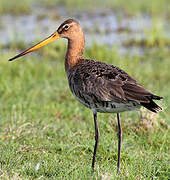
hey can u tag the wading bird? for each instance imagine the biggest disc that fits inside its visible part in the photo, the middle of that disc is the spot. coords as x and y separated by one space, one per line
99 86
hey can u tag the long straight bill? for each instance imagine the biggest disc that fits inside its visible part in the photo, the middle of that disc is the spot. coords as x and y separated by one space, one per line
51 38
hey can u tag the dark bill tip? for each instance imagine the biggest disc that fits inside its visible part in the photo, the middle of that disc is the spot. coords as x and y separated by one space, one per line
11 59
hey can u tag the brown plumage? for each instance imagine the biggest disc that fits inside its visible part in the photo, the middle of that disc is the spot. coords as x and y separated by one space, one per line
107 83
99 86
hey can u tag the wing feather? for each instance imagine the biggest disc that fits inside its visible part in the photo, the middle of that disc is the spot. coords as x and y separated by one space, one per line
109 83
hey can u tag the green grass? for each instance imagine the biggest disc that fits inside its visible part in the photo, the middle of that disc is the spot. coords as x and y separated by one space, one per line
15 7
46 134
131 7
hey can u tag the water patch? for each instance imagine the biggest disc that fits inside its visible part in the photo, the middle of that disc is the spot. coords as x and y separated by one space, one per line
103 28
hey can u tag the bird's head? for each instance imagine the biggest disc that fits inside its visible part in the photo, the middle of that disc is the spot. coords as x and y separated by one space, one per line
69 29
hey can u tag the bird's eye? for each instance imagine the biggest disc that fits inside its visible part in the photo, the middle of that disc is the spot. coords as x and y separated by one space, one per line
66 27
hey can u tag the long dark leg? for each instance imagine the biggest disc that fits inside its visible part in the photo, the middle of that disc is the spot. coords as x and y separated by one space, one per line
119 134
96 139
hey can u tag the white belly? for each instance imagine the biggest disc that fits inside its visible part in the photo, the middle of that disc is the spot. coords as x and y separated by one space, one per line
111 107
114 107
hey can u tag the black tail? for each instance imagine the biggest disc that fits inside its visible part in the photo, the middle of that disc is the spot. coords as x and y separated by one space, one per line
152 106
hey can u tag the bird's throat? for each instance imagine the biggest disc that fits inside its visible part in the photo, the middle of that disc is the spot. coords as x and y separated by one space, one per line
74 53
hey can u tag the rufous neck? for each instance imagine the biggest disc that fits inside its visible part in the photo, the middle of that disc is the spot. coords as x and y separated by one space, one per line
74 53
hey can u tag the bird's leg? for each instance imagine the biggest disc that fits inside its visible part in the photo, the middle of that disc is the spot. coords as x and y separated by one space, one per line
119 134
96 139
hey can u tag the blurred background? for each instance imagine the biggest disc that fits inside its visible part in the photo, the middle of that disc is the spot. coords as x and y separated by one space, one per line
41 123
129 25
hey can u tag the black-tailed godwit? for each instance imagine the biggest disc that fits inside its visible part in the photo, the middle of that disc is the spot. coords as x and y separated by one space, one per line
99 86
